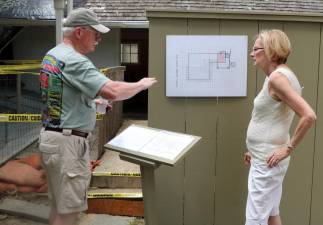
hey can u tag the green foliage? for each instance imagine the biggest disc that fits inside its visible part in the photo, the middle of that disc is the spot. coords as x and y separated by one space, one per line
136 221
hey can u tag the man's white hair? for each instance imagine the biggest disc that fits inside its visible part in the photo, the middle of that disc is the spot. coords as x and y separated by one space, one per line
67 31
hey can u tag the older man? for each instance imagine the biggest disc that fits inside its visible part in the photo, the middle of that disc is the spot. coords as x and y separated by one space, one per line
69 84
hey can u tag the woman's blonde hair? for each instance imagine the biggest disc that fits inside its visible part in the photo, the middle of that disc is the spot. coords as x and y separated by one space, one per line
276 44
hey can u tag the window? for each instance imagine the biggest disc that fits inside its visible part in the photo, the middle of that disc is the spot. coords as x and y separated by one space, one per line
129 53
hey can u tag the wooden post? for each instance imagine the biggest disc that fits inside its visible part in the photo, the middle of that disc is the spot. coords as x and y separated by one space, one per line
147 169
148 190
18 92
59 13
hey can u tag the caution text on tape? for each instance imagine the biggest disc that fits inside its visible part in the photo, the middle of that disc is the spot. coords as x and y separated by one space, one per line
115 174
25 118
20 118
115 195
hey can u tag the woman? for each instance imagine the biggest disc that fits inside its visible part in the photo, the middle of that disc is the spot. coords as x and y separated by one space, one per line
268 141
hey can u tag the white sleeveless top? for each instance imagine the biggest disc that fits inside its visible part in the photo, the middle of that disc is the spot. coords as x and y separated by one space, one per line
271 120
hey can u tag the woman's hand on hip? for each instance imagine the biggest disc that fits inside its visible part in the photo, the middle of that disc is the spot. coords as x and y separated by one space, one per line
247 158
277 155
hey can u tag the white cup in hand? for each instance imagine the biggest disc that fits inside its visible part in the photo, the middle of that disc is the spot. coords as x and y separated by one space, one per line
101 105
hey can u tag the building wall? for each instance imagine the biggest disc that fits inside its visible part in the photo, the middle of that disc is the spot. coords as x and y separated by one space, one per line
34 41
209 186
107 53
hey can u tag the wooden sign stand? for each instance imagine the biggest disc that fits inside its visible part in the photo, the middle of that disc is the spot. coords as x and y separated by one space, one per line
151 147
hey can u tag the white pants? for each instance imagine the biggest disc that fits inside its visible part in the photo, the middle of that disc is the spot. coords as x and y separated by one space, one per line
264 192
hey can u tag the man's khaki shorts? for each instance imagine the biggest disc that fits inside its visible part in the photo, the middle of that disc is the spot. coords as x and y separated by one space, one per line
67 164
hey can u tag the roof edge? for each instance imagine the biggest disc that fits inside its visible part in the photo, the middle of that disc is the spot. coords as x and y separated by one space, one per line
112 24
127 24
231 14
25 22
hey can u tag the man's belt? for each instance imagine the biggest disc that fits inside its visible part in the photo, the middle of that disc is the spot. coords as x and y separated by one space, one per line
73 132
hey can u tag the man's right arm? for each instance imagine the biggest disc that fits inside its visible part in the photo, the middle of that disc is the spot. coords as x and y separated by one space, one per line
119 90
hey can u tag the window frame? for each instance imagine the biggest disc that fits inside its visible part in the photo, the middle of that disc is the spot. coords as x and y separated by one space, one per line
130 62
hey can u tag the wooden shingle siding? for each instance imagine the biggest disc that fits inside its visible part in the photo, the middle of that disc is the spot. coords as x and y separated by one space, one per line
125 10
135 10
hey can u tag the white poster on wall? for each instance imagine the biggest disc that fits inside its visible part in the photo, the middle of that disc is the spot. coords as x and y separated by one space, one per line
206 66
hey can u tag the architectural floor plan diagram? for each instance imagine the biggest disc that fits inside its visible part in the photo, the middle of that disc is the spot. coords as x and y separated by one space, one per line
206 65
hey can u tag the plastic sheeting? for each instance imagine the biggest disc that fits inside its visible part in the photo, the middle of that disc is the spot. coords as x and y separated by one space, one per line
27 9
31 9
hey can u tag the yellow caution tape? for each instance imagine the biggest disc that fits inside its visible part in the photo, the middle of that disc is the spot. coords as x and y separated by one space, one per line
22 61
104 70
14 67
25 118
115 195
14 72
17 69
20 67
115 174
20 117
99 116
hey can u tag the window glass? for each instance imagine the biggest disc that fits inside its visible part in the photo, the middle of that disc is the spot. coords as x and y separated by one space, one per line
126 58
134 48
134 58
129 53
126 48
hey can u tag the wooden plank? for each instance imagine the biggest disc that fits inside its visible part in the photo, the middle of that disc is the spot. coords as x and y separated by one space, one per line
173 118
234 115
120 207
199 183
201 118
169 114
296 199
316 217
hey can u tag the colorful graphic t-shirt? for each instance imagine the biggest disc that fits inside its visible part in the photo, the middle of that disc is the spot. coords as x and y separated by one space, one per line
69 83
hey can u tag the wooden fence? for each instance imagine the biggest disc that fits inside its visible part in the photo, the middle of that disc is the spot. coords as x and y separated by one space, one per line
112 120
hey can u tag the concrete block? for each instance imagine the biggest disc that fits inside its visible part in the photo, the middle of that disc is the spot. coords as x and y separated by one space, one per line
32 211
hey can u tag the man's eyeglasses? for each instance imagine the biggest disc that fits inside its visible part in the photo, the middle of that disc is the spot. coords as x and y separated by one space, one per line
97 34
256 49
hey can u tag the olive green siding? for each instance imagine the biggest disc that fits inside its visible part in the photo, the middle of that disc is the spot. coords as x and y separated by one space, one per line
209 187
317 165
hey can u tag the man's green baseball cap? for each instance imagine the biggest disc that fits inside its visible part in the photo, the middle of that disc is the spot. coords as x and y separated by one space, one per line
84 17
